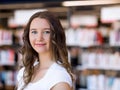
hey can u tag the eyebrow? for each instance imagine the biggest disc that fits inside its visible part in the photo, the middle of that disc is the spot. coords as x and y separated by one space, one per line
46 28
33 29
36 29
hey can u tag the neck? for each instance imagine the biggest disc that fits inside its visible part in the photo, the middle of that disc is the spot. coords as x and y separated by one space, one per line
45 60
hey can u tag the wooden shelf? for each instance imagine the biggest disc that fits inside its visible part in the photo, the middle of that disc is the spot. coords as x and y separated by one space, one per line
7 88
79 67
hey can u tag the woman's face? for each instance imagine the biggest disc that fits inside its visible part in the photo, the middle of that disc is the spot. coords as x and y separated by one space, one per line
39 35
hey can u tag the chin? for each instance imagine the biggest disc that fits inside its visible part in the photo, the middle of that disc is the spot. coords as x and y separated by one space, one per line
41 51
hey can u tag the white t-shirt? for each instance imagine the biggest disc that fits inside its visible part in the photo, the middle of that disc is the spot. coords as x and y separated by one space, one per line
55 74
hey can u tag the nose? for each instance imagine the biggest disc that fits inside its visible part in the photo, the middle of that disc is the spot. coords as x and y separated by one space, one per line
39 37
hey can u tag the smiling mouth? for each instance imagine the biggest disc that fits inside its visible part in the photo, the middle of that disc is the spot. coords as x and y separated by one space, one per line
40 44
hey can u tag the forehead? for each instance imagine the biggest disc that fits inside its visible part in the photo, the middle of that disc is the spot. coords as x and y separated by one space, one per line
39 22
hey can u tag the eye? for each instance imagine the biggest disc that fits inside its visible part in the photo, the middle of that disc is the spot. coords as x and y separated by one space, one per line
47 32
34 32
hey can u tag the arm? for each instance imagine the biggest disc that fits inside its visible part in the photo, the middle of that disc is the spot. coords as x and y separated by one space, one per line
61 86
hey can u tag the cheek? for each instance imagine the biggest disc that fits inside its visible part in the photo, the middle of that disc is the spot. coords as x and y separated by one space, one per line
31 39
48 42
47 38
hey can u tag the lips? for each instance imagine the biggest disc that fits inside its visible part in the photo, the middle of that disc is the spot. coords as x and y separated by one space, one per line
40 44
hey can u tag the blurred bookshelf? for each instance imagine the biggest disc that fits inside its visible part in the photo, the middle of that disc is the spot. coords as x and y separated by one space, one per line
95 56
8 59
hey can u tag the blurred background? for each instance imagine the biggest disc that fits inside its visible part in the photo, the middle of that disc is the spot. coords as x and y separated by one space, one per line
92 29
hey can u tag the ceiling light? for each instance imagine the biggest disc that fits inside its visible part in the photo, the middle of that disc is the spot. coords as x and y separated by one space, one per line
89 2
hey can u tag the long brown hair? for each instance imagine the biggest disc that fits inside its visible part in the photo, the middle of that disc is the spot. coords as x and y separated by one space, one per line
57 45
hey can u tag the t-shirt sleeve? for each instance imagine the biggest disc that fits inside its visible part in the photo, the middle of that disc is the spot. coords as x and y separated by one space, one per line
58 77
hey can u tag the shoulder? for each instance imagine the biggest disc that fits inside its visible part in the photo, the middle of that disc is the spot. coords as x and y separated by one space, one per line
59 74
21 71
61 86
59 70
20 74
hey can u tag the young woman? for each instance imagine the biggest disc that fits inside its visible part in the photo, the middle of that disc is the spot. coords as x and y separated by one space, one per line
45 56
